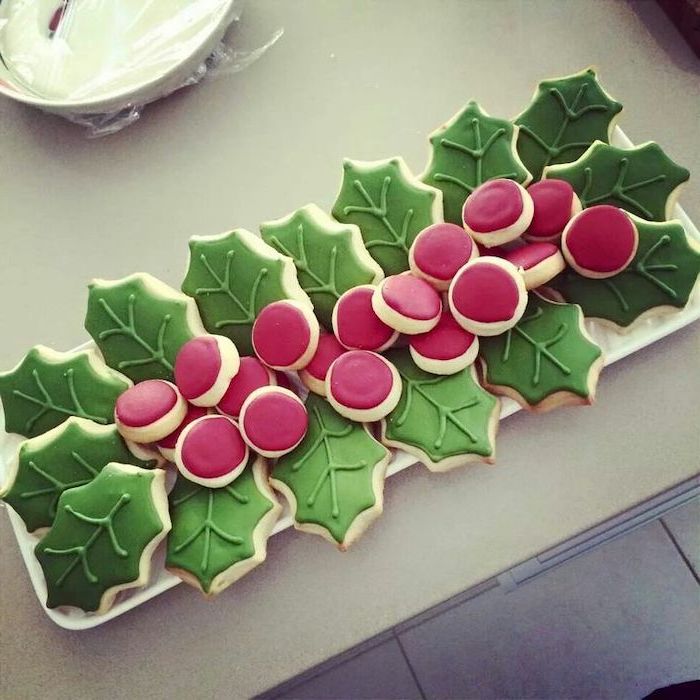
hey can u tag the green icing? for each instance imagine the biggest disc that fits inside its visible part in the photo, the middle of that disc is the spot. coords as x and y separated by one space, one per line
544 353
330 258
389 206
664 272
467 151
440 416
232 277
140 324
99 534
48 386
71 455
213 529
639 179
565 117
331 472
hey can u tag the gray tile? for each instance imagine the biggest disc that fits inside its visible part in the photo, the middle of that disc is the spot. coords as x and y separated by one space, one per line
684 526
617 622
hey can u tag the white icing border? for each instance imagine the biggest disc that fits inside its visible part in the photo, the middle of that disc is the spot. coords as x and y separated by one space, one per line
445 367
400 323
230 364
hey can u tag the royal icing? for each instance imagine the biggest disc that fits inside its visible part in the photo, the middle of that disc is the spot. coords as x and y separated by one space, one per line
554 203
252 374
314 374
357 326
537 262
407 303
446 349
166 446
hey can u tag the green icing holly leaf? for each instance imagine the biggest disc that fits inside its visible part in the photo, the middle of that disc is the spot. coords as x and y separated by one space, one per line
663 273
565 117
389 205
545 360
643 180
446 421
103 537
330 258
232 277
220 534
70 455
47 387
468 150
139 324
334 479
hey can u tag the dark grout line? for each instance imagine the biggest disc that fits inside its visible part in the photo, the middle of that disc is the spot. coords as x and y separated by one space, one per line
679 550
408 663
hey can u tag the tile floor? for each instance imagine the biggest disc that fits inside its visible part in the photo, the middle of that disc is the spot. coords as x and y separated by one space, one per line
616 622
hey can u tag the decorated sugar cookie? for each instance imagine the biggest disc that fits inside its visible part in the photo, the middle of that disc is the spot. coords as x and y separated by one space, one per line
166 446
334 480
554 203
407 303
252 374
497 212
219 535
488 296
314 374
285 335
146 452
438 252
600 242
103 537
273 421
446 349
204 368
283 378
330 257
363 386
357 326
149 411
538 262
48 386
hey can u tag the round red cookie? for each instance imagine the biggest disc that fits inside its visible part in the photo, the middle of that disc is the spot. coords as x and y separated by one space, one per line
438 252
357 326
211 451
488 296
497 212
363 386
166 446
538 262
273 421
600 242
313 375
149 410
407 303
447 349
204 367
554 202
285 335
251 375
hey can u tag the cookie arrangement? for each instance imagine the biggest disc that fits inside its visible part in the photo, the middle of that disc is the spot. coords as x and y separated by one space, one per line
294 362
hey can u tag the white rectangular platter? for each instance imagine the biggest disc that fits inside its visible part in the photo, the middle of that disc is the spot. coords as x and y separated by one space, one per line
615 347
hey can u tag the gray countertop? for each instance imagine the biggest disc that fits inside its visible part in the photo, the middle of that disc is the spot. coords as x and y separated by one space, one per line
365 80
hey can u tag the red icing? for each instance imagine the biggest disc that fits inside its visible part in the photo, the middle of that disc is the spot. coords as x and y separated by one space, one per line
441 249
197 366
145 403
356 323
552 200
252 375
411 296
213 447
283 380
497 251
281 334
493 206
531 254
360 379
193 413
485 292
328 350
275 421
447 341
601 239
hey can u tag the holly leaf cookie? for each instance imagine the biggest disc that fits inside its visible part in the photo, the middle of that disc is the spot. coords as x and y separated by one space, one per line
660 279
468 150
70 455
566 115
139 324
334 479
445 421
103 537
390 207
48 386
232 276
546 360
330 258
220 534
643 180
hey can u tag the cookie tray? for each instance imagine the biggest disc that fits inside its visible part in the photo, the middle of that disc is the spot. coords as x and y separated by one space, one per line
615 347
